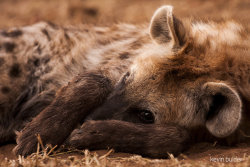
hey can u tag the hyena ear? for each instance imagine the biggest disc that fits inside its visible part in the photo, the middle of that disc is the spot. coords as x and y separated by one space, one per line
165 29
224 108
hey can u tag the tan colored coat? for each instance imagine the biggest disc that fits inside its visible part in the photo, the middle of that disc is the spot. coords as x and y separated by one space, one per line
177 77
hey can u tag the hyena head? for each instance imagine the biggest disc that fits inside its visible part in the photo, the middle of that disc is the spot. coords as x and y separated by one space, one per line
177 79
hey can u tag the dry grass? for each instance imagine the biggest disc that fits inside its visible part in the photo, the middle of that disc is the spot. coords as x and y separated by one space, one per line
106 12
85 158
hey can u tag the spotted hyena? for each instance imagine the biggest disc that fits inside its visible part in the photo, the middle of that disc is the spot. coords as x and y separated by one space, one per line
135 89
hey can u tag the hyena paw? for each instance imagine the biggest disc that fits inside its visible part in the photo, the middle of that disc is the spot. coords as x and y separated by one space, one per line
83 137
26 143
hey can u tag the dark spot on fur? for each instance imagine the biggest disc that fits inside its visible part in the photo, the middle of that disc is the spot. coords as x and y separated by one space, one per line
153 77
5 89
39 49
48 81
103 41
124 55
15 70
107 58
45 59
45 32
33 62
13 34
47 69
52 25
100 32
66 36
9 47
73 61
1 61
91 11
230 63
36 43
105 62
36 62
67 67
135 45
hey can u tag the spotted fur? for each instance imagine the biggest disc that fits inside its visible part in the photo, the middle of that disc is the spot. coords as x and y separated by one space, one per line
185 75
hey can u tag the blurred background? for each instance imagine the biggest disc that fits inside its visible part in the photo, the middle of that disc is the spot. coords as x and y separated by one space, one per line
105 12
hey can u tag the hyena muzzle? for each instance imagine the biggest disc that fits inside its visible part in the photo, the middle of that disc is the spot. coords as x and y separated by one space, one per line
149 93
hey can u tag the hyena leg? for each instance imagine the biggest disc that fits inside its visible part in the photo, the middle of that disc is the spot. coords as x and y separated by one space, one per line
32 108
149 140
70 106
29 104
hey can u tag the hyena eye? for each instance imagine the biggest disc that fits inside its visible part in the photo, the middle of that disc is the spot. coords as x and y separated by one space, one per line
146 116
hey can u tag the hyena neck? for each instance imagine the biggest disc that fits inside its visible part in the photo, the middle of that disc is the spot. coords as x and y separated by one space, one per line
237 70
113 49
226 47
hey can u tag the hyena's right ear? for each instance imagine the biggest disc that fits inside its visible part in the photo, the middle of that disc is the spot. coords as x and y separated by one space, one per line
165 29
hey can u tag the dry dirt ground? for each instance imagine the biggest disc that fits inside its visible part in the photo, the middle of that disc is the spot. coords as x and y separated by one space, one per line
107 12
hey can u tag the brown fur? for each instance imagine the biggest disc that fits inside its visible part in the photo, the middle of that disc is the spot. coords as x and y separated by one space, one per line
146 140
190 76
